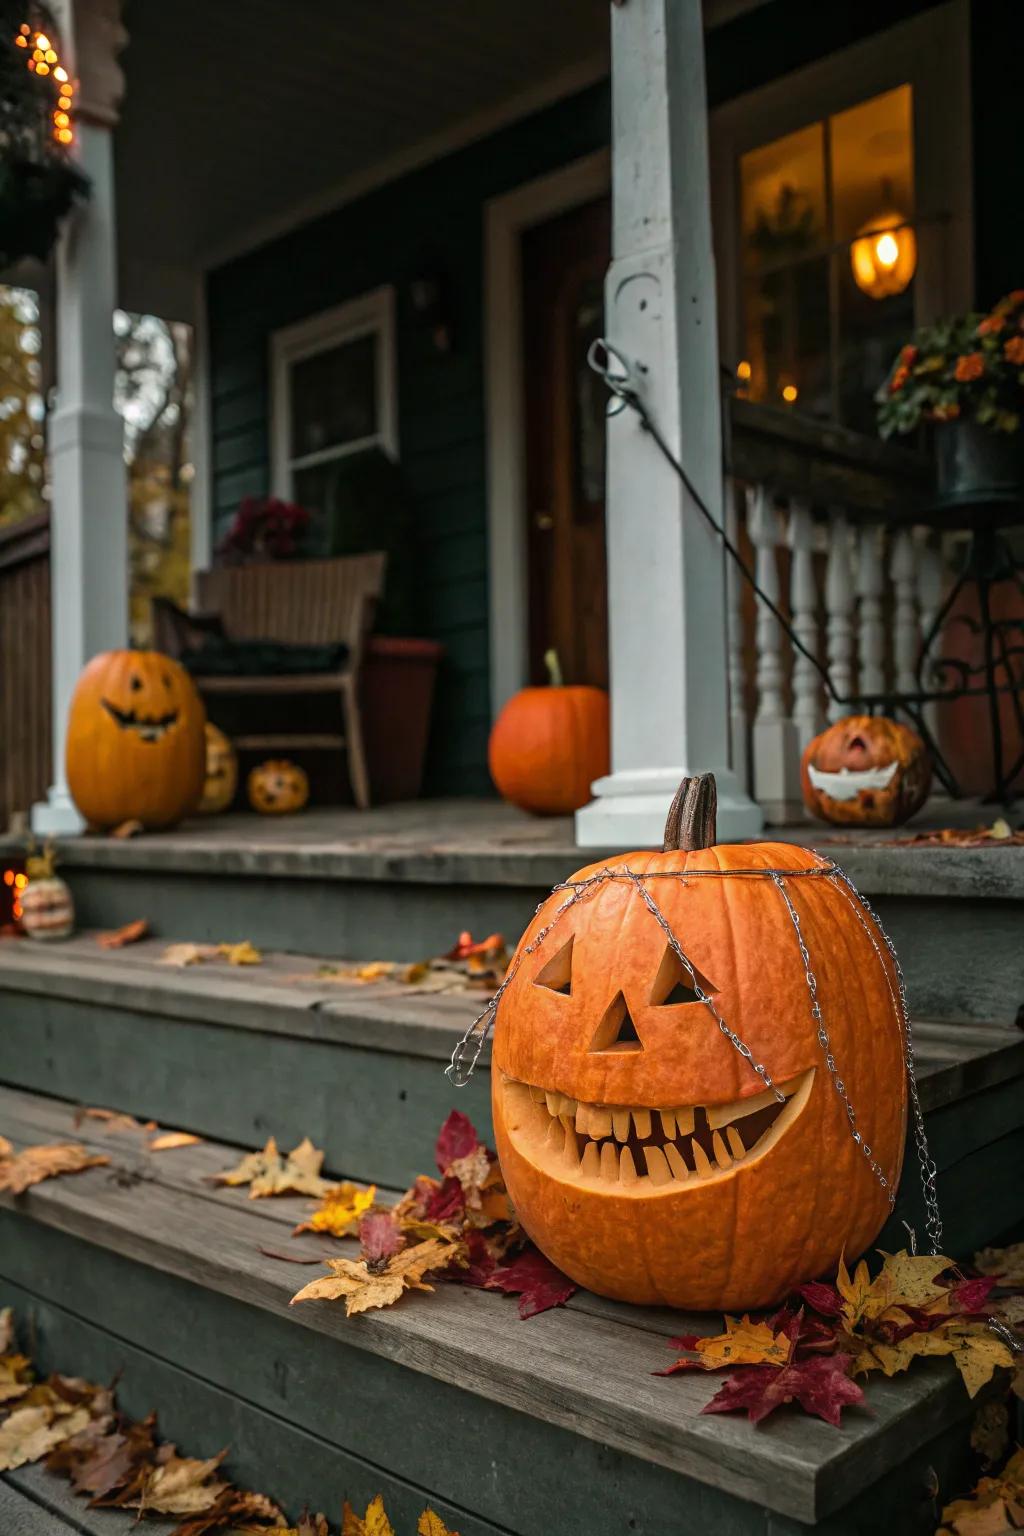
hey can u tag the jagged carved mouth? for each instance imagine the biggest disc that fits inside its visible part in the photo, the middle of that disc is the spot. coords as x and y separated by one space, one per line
644 1151
148 727
847 783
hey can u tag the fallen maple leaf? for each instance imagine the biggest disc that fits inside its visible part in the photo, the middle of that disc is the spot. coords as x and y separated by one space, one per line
113 1119
430 1524
742 1343
458 1137
1005 1264
243 953
129 933
169 1141
31 1166
821 1385
28 1433
309 1525
187 954
15 1376
976 1353
342 1207
990 1432
537 1282
374 1523
367 1283
180 1486
268 1173
380 1237
996 1505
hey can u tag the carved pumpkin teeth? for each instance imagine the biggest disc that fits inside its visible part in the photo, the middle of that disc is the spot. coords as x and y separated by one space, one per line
620 1124
591 1165
685 1119
735 1141
676 1163
668 1123
722 1155
702 1164
600 1122
627 1167
657 1165
642 1120
609 1162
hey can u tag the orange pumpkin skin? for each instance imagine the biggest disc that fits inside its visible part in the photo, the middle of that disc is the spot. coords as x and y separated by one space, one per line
277 787
746 1236
865 771
548 746
221 772
136 749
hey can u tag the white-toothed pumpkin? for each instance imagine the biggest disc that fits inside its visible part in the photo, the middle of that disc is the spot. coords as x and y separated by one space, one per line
47 906
866 771
642 1151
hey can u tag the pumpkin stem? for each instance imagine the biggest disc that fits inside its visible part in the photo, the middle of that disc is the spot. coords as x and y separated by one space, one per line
692 815
554 668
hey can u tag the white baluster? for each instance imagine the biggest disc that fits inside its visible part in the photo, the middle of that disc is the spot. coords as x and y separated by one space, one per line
930 584
870 586
905 638
776 747
839 610
739 744
804 608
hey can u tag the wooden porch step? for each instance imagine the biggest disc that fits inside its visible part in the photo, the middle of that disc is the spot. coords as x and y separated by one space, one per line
34 1502
503 1426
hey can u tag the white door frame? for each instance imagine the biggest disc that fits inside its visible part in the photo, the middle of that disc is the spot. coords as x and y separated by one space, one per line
505 220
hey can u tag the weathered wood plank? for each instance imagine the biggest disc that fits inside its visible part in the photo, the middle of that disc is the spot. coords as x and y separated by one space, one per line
467 1338
48 1492
21 1516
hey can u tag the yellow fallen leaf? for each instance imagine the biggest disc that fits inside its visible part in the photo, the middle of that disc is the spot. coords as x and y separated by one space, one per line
342 1208
15 1377
374 1523
30 1433
34 1164
169 1141
975 1350
743 1343
179 1487
6 1322
268 1173
381 1286
855 1290
430 1524
241 954
995 1507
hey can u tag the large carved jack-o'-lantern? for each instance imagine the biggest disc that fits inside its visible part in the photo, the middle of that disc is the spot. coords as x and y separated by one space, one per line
135 749
681 1117
866 771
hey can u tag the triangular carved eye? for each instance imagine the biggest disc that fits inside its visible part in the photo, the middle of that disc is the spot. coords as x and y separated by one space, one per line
557 974
674 984
616 1031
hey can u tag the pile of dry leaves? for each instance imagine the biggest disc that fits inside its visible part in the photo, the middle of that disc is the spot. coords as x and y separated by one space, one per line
467 967
75 1427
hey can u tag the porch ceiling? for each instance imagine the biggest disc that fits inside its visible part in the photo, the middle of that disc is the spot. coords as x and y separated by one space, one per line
240 119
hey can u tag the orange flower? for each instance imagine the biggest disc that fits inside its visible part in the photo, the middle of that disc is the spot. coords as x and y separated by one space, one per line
898 380
991 324
969 367
1013 350
908 356
946 412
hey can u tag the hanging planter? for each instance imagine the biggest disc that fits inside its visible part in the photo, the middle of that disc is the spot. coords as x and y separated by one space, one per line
38 181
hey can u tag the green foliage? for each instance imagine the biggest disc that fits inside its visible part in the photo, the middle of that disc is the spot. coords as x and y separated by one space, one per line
22 410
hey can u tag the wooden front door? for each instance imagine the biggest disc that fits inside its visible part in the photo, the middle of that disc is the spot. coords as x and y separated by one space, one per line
564 266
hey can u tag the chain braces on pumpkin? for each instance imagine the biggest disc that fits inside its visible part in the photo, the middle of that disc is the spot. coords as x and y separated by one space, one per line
467 1051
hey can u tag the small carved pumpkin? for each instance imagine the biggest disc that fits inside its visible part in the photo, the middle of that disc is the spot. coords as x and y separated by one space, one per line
644 1152
866 771
136 750
277 787
548 745
221 772
47 906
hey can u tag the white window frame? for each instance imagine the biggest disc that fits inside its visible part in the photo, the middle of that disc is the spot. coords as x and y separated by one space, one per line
931 54
371 314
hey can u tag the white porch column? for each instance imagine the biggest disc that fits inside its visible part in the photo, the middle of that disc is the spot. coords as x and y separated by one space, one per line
666 577
88 519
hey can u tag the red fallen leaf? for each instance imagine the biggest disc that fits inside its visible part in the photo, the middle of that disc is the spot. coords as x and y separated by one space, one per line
482 1262
823 1298
448 1200
535 1280
821 1386
973 1295
457 1138
379 1237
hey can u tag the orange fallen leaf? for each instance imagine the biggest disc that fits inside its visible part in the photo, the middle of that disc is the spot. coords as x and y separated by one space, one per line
126 829
130 933
20 1171
113 1119
378 1283
374 1523
169 1141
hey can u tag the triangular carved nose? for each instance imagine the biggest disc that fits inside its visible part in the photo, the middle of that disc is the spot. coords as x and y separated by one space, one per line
616 1031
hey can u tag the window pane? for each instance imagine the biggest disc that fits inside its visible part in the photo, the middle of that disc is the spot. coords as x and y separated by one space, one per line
872 149
871 332
334 396
782 198
787 327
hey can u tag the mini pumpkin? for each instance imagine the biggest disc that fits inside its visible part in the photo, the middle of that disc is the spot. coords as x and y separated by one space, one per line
221 779
136 749
47 906
866 771
548 745
645 1153
277 787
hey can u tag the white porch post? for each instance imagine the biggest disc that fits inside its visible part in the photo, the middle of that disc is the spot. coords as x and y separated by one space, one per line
666 582
88 519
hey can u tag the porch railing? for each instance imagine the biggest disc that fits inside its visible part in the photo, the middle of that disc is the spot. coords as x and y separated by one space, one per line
25 727
820 514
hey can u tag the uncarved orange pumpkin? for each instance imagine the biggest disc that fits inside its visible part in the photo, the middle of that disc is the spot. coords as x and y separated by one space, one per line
866 771
136 749
641 1150
548 746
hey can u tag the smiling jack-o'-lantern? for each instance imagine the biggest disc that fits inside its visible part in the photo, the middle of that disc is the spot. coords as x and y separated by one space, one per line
866 771
135 749
277 787
221 779
670 1125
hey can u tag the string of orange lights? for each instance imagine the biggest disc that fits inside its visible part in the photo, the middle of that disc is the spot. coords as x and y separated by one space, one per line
18 881
44 60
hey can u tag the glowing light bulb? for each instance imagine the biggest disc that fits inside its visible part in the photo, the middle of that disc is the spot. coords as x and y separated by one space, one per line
24 29
8 877
789 393
65 135
51 57
743 371
21 41
64 102
20 882
42 41
60 73
886 250
42 69
61 119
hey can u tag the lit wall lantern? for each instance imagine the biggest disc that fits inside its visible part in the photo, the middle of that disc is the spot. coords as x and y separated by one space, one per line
884 255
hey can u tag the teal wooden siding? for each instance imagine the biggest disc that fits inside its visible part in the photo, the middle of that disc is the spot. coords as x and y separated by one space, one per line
429 222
